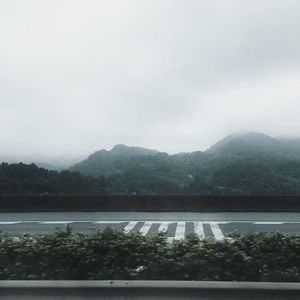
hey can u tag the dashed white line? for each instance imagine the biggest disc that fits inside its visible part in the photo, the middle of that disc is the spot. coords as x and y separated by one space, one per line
129 226
198 229
57 222
268 223
217 232
109 222
9 222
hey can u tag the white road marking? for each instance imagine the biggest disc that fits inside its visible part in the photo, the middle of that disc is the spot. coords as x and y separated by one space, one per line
180 231
144 230
268 223
57 222
217 232
9 222
156 221
109 222
198 229
129 226
163 227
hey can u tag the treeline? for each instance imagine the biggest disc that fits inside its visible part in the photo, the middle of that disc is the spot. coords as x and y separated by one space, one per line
160 174
22 179
113 255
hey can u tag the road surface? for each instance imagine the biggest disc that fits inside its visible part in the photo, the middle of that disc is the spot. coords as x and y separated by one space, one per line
177 225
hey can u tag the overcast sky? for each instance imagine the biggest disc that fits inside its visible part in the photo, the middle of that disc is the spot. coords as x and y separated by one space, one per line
78 76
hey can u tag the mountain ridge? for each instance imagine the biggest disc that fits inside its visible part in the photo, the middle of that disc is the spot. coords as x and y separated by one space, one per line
242 164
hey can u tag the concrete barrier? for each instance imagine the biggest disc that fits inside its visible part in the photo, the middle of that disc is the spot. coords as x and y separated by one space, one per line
163 290
150 203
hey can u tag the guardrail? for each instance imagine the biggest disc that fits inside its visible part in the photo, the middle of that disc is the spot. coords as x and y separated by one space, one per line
147 290
150 203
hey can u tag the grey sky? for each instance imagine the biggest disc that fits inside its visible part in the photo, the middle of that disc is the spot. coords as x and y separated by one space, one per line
77 76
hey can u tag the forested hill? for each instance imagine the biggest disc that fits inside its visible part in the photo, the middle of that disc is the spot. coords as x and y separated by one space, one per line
22 179
245 164
249 164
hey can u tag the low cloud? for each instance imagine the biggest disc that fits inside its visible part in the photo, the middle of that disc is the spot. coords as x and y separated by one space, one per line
77 76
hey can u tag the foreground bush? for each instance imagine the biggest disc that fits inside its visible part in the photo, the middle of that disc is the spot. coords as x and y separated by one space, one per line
111 254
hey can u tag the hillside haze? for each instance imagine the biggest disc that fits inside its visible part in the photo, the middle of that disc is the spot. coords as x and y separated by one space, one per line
243 164
253 142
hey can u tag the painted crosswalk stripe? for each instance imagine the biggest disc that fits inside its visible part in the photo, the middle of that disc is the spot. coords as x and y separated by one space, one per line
146 227
218 234
198 229
129 226
179 233
163 227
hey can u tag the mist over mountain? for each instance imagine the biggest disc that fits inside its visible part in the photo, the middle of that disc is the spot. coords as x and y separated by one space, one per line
50 163
256 143
123 150
243 164
240 164
106 163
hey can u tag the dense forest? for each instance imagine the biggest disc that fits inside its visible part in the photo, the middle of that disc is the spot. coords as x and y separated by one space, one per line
22 179
246 164
249 164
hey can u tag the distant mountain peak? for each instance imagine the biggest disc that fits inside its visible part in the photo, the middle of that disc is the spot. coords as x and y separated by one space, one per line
121 149
119 146
248 135
246 142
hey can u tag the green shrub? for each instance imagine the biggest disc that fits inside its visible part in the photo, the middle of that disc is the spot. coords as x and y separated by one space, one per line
111 254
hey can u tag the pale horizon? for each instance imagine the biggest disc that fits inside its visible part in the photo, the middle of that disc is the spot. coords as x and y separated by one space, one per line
76 157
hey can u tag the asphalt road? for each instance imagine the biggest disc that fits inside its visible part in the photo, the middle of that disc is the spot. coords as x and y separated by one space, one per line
177 225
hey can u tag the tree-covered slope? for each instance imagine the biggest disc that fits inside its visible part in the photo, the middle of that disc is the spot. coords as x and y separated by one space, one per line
249 164
253 143
22 179
246 164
